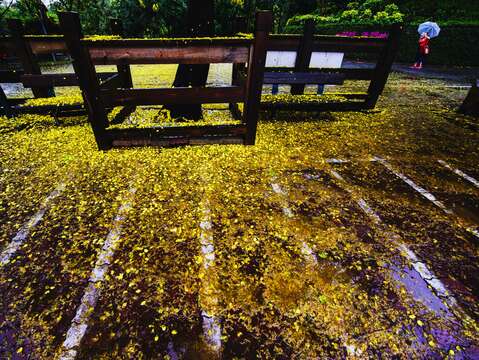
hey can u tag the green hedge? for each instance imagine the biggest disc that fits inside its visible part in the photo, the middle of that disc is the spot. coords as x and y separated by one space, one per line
456 45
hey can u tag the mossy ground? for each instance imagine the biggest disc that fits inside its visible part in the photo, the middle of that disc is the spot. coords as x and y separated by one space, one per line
271 300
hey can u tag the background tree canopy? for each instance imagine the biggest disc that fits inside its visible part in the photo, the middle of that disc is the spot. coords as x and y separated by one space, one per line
155 18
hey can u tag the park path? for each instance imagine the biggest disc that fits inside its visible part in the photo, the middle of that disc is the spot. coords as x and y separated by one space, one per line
458 75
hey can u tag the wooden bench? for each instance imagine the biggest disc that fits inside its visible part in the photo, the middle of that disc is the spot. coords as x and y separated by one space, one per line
27 49
297 56
99 97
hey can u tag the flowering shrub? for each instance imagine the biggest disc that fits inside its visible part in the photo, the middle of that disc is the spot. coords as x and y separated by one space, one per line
370 12
372 34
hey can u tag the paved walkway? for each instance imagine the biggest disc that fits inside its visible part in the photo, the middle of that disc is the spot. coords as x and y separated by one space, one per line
458 75
455 74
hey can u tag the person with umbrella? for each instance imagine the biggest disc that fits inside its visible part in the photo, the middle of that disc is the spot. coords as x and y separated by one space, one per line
427 30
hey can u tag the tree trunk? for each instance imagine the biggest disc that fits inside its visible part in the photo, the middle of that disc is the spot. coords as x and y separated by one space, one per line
200 24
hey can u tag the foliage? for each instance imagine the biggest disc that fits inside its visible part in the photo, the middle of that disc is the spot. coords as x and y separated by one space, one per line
151 18
384 12
225 12
439 10
369 12
94 14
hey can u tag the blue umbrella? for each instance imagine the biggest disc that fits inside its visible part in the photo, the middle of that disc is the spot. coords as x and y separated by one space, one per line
430 28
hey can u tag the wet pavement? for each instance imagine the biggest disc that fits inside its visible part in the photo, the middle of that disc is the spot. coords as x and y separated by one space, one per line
225 253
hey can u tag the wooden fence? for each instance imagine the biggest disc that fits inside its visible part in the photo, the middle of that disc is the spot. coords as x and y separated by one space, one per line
100 96
28 49
251 70
300 72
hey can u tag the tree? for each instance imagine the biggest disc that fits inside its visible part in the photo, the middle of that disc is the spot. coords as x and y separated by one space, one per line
151 18
200 23
33 13
5 8
94 14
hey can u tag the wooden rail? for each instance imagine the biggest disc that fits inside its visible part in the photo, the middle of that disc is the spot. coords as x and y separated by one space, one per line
185 54
59 79
166 96
303 78
326 43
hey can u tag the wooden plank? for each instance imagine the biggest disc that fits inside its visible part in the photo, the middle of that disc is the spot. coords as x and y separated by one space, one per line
349 73
303 57
303 78
328 43
256 65
47 45
178 136
178 141
39 45
58 79
168 43
29 80
178 131
167 55
50 109
196 95
10 77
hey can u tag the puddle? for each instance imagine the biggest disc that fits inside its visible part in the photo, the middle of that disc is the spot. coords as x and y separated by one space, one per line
456 193
428 290
464 205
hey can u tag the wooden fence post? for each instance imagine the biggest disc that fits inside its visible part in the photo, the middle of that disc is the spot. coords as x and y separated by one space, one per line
256 65
383 66
303 57
124 70
85 70
27 58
